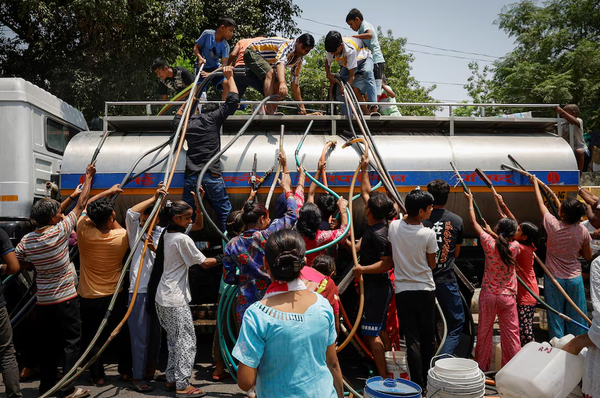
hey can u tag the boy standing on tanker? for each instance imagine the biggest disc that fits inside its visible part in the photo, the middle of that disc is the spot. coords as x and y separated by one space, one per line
212 48
448 228
571 114
261 55
175 78
368 34
414 249
356 64
376 255
203 138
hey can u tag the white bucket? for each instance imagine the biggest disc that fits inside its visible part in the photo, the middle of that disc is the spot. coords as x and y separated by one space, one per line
455 377
397 367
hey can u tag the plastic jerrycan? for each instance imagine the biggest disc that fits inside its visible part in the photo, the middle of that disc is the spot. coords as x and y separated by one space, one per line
540 371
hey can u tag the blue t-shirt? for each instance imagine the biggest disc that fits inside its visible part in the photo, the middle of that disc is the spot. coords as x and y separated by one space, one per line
373 44
289 350
212 51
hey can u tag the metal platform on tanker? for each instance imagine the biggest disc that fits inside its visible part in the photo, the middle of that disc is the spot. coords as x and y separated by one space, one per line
334 124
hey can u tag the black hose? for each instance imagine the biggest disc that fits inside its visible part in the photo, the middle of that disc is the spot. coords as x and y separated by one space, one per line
217 156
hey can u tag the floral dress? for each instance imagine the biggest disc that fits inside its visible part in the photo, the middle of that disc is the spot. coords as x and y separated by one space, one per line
246 252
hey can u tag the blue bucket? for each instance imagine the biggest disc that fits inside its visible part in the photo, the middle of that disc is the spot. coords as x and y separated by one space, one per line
377 387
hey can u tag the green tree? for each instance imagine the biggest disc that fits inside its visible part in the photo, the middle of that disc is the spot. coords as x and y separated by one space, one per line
556 57
315 86
88 52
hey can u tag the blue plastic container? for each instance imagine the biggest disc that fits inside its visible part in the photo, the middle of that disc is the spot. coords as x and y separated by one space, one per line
377 387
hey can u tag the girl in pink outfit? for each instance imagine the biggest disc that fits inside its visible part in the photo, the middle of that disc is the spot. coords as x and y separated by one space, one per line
498 290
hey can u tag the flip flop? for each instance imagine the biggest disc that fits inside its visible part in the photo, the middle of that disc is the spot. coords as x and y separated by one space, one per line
141 387
195 392
79 393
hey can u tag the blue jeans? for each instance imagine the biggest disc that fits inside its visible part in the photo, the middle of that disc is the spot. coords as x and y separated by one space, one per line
574 288
449 298
216 194
364 80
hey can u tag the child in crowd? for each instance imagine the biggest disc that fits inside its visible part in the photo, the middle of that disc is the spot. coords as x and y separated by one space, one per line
324 264
176 78
309 220
571 114
356 63
170 291
591 339
286 345
498 289
246 251
567 238
57 313
376 261
388 96
212 50
414 249
144 328
236 59
448 228
368 34
525 301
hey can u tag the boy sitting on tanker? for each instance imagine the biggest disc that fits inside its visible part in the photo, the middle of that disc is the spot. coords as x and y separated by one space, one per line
204 141
571 114
368 34
175 78
212 50
356 63
261 55
236 59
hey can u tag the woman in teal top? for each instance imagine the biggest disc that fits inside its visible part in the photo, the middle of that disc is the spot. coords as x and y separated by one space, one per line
286 344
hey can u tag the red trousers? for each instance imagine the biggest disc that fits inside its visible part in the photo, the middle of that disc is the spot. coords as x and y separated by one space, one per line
505 307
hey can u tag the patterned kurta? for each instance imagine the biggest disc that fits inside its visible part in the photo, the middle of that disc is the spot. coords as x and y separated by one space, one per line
246 252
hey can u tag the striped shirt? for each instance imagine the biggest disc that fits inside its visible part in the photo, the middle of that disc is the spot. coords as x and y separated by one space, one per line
276 50
354 53
48 250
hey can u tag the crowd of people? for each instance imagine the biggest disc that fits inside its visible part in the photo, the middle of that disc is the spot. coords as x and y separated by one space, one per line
288 306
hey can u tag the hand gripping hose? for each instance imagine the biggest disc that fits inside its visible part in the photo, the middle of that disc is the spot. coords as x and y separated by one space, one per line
330 144
272 189
216 158
73 373
529 175
313 179
553 205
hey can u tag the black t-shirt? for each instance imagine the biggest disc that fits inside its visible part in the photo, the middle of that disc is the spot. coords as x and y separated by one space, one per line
180 80
5 248
375 244
203 136
448 228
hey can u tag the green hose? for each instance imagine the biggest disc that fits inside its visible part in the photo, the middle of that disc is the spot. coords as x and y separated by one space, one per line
343 235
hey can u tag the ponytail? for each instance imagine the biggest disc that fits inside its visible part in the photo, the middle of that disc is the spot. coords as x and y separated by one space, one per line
170 210
284 252
506 228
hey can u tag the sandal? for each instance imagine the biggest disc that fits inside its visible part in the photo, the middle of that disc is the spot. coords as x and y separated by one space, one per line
194 392
221 377
141 387
79 393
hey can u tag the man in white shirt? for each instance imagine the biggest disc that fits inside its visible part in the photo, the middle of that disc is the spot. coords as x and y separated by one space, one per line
414 249
571 114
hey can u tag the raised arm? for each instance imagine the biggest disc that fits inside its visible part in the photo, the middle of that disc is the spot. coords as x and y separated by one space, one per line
588 197
84 197
538 196
570 118
140 207
109 192
70 199
312 189
502 207
365 184
199 222
472 217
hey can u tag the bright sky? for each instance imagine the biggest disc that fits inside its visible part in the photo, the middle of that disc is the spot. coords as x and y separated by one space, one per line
463 25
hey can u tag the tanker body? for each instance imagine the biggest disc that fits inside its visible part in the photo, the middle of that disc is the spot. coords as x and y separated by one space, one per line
415 150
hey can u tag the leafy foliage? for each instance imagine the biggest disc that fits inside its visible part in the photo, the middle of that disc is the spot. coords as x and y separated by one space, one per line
556 58
88 52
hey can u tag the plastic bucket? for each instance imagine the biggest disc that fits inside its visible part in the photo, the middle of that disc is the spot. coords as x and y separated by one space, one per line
396 365
455 377
377 387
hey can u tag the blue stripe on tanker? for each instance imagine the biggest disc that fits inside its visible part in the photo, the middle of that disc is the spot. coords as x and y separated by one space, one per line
339 179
